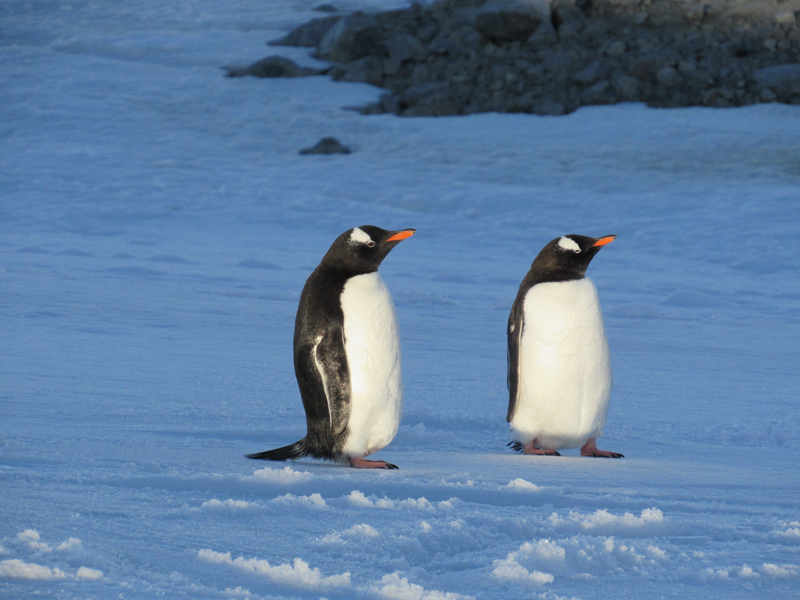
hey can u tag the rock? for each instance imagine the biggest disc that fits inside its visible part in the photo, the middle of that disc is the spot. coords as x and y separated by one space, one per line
780 78
588 74
616 48
565 11
401 48
308 34
327 145
511 19
550 108
599 93
368 70
326 8
767 95
669 77
272 66
785 17
718 98
351 38
545 34
627 86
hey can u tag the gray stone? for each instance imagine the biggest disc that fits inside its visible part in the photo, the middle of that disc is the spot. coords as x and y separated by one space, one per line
308 34
368 70
351 38
616 48
627 86
588 74
785 17
599 93
511 19
327 145
401 48
718 98
780 78
545 34
272 66
669 77
549 107
565 11
767 95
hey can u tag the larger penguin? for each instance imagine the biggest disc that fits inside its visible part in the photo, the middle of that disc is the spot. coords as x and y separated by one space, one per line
559 371
347 353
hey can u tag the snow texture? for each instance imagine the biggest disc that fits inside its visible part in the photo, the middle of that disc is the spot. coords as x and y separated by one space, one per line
157 225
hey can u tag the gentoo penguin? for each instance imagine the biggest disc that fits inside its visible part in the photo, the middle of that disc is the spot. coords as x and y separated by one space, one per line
559 372
347 353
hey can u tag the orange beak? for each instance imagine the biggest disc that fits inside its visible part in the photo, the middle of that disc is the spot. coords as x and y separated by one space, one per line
397 237
605 240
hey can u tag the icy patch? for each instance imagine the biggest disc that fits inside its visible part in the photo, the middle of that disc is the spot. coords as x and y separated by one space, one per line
566 243
780 570
358 498
534 563
31 538
312 501
87 573
522 485
286 475
790 532
298 574
71 544
602 522
18 569
394 587
229 505
361 530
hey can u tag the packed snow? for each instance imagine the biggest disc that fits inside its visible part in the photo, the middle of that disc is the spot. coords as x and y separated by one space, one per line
157 225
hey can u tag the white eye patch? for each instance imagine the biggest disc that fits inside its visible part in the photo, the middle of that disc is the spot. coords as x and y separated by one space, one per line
359 236
566 243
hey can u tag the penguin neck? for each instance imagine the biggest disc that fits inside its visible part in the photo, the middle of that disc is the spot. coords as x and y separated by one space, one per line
537 275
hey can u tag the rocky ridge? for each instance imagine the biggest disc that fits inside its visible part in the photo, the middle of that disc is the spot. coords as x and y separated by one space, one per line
455 57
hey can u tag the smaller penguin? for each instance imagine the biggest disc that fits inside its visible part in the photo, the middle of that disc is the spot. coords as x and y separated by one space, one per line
347 354
559 371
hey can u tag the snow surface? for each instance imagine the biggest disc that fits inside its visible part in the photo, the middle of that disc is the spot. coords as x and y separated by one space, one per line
157 225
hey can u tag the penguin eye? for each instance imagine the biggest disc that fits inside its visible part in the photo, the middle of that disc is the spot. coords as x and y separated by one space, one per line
370 244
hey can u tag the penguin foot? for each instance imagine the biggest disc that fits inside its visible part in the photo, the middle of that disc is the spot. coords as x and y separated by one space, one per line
363 463
531 448
590 449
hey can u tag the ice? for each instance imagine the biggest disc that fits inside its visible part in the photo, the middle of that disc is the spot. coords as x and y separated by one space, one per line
157 225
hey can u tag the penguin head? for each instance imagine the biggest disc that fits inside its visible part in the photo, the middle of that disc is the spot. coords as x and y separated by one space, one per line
362 249
567 257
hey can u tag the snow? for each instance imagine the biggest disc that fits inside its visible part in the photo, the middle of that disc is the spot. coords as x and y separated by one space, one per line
157 225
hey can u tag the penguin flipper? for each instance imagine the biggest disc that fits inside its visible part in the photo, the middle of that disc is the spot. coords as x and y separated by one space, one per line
515 325
292 451
325 384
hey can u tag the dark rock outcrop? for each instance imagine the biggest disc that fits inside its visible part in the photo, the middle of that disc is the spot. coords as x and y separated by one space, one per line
453 57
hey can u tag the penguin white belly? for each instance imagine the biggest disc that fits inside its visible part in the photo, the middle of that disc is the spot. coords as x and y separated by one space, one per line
564 366
372 347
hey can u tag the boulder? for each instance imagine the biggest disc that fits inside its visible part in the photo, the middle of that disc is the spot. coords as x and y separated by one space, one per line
780 78
351 38
327 145
308 34
272 66
511 19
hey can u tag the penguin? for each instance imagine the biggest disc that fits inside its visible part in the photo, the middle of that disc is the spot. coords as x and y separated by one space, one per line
347 354
559 370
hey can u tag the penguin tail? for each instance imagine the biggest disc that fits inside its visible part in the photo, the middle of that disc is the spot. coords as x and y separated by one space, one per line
292 451
516 446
